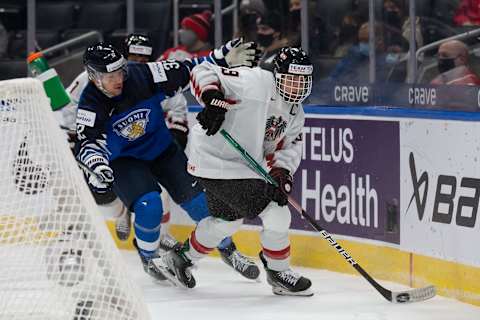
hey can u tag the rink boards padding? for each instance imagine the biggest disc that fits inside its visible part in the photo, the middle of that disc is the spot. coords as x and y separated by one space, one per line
400 190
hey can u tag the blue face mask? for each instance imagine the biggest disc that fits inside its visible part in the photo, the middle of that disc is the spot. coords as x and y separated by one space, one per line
392 58
364 48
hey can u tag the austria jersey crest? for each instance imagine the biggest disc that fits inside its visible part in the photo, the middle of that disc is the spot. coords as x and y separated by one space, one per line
133 125
274 128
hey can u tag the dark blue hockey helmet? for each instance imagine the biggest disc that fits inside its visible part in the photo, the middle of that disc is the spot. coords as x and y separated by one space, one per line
138 44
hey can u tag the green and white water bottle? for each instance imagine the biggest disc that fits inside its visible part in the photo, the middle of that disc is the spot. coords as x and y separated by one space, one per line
54 88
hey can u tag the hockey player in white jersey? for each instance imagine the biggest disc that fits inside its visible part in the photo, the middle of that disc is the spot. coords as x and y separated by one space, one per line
263 112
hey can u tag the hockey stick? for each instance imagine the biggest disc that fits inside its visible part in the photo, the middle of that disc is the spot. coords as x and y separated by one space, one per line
412 295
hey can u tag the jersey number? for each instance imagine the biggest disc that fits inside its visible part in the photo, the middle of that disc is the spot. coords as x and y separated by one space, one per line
230 72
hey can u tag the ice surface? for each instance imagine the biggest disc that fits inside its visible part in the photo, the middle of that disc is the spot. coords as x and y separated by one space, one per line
223 294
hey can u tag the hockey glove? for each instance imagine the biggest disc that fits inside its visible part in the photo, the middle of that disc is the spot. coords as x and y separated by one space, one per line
179 131
242 54
285 183
213 115
100 175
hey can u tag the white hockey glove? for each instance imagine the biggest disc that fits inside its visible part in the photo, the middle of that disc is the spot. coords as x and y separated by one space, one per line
100 177
242 54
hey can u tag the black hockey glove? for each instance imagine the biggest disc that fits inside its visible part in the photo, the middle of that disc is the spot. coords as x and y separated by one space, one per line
285 183
213 115
179 131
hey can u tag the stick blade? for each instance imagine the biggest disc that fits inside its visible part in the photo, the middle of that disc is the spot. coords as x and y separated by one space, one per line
414 295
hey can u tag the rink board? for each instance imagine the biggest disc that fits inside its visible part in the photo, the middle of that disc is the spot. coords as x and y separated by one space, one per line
399 190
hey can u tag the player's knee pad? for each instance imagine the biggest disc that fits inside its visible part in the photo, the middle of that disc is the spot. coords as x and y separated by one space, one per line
276 218
196 207
211 231
148 215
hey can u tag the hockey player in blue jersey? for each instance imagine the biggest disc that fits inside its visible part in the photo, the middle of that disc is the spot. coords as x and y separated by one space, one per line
123 140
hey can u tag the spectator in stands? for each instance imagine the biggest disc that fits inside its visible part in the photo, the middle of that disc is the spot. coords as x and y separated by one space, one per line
453 65
398 28
354 67
250 12
193 38
348 35
468 13
270 38
3 41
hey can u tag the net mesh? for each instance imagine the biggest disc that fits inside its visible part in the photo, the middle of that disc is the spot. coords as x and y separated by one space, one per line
57 259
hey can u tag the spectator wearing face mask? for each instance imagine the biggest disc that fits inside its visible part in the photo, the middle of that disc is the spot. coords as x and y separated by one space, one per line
270 38
354 67
453 65
250 12
348 35
193 38
397 22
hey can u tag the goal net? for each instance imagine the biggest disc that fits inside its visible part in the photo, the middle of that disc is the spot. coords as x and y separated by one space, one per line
57 259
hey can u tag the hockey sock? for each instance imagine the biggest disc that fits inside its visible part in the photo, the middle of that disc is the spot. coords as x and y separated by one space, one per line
148 214
197 207
194 250
277 260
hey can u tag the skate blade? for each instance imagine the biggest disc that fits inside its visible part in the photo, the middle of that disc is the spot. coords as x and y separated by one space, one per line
283 292
170 275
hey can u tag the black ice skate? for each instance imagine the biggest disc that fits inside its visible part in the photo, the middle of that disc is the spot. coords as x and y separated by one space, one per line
287 283
177 267
167 242
240 263
151 265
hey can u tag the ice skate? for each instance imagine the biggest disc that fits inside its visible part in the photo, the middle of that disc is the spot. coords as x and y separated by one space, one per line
176 267
123 225
167 242
288 282
240 263
151 264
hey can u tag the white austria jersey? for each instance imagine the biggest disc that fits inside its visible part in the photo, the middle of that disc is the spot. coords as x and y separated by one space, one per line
261 122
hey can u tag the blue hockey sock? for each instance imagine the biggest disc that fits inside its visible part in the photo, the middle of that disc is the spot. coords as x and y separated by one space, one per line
148 215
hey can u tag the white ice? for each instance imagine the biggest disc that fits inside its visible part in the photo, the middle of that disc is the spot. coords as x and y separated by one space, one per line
224 295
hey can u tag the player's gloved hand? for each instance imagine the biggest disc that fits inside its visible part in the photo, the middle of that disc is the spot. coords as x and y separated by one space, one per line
213 115
285 183
242 54
101 176
179 132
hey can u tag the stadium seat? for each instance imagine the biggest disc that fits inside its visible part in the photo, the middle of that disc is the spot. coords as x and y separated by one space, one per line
104 16
47 38
153 15
10 69
56 15
13 15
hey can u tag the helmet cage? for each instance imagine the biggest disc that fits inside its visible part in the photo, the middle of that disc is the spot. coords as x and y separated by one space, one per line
293 88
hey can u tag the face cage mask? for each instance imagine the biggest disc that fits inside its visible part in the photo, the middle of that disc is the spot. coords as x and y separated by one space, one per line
97 77
293 88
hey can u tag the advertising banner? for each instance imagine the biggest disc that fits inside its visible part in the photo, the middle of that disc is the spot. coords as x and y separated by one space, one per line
441 189
349 177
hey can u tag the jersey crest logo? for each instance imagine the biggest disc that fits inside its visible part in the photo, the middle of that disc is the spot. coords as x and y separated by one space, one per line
133 125
274 128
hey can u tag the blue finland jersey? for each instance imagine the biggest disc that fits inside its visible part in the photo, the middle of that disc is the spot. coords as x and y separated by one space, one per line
139 132
132 124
